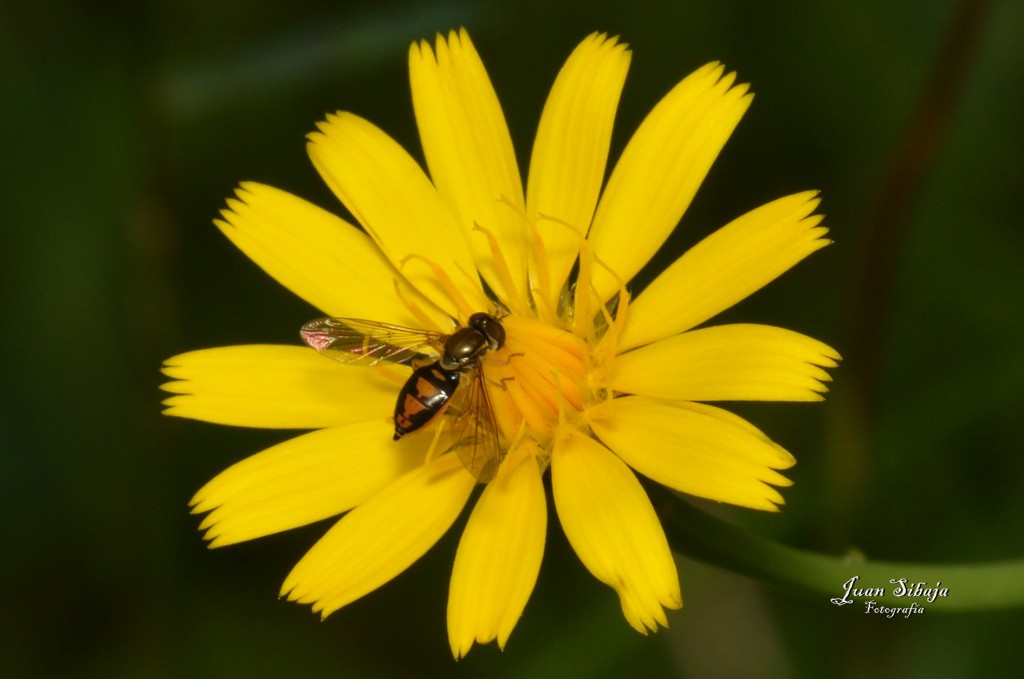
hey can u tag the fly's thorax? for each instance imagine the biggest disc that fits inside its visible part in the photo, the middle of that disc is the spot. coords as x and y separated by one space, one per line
463 347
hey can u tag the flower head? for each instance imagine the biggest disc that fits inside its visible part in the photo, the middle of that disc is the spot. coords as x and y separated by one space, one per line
588 382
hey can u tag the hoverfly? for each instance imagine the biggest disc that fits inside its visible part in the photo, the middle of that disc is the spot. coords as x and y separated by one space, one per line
441 363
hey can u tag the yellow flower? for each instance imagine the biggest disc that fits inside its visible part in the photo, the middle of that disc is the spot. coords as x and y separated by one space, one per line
589 383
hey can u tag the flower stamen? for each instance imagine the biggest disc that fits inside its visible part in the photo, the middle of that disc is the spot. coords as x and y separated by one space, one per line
447 284
582 322
415 309
512 297
539 281
565 313
613 326
541 287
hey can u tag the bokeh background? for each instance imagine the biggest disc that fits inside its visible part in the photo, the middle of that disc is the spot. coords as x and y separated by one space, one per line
124 126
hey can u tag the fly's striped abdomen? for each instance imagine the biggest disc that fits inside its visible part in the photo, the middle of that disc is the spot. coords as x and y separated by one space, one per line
423 396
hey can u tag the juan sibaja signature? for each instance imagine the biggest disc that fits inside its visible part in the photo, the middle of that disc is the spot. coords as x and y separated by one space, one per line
901 588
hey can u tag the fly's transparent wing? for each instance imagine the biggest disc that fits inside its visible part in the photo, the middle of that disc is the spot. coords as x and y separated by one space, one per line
472 430
360 342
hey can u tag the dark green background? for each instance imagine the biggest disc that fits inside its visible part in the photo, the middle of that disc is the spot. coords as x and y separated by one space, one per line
124 126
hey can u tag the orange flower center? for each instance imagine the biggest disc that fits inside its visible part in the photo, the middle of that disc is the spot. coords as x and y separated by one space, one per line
538 377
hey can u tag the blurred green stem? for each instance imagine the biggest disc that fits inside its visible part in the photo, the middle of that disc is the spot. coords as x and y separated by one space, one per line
972 587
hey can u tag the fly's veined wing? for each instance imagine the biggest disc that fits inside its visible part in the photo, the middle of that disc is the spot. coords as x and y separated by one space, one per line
473 431
360 342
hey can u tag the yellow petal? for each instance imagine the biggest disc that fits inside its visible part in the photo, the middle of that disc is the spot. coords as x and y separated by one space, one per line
272 386
320 257
380 538
469 153
695 448
388 193
571 151
304 479
498 559
612 526
660 170
724 268
741 362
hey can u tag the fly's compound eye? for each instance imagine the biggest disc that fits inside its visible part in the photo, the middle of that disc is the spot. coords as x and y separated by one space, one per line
490 327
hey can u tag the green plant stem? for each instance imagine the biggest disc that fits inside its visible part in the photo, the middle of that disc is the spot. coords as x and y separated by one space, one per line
972 587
